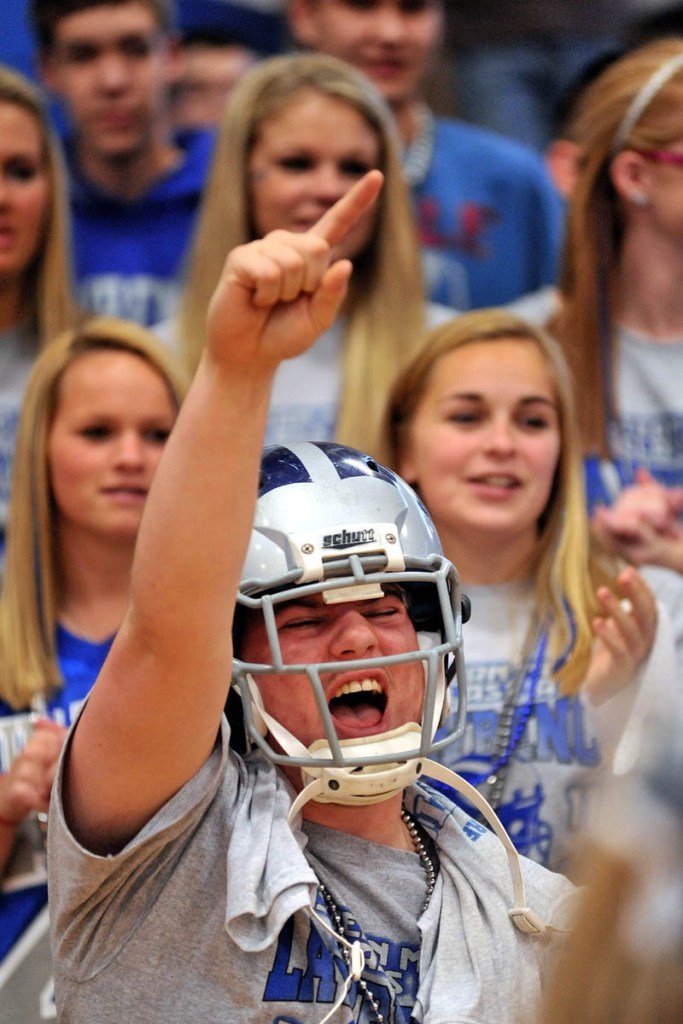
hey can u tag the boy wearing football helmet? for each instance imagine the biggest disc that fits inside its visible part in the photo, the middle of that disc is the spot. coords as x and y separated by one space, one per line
310 878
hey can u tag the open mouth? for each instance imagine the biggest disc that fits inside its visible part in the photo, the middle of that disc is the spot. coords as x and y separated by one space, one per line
499 481
361 702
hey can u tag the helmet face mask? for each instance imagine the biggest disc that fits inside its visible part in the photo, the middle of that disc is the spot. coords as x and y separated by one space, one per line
358 533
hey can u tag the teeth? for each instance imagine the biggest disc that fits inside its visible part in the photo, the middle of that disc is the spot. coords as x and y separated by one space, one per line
499 481
358 685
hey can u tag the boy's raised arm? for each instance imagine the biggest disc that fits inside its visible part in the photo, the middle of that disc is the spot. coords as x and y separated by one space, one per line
153 715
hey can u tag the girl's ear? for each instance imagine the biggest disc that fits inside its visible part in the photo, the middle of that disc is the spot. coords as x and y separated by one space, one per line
562 160
631 176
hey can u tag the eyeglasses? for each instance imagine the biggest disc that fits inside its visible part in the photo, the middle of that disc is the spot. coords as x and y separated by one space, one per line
662 156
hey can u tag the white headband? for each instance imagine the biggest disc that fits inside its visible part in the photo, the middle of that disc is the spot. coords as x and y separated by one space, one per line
644 98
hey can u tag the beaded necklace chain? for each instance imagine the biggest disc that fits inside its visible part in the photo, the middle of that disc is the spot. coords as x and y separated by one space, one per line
417 156
507 737
338 921
421 851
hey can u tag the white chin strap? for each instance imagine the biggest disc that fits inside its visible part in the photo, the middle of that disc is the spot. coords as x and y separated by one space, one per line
373 783
527 920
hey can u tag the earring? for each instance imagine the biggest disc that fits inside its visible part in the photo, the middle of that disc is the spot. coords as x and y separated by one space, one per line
639 199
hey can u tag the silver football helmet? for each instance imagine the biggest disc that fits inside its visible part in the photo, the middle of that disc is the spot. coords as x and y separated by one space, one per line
331 521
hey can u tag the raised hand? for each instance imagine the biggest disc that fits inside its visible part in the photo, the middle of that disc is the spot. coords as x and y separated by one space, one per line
163 686
279 293
624 635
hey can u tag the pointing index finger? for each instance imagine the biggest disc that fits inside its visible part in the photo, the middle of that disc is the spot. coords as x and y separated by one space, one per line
336 222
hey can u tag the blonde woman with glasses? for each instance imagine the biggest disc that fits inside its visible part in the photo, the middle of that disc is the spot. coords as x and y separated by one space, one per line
621 314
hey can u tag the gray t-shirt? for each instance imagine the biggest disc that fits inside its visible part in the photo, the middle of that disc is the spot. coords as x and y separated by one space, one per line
204 916
304 403
648 428
650 405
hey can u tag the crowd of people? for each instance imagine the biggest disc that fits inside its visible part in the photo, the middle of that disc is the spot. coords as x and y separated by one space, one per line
341 518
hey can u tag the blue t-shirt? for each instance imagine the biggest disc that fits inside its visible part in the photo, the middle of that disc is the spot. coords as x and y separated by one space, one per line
490 218
24 889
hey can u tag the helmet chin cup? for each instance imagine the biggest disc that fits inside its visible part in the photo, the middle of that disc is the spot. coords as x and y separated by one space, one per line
369 783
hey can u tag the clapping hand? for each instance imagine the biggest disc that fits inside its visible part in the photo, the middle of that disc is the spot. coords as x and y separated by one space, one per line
624 635
643 526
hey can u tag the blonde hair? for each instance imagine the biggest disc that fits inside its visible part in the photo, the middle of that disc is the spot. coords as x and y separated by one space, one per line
585 323
30 592
601 978
386 303
47 297
565 570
